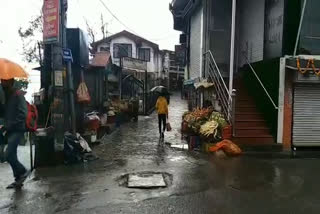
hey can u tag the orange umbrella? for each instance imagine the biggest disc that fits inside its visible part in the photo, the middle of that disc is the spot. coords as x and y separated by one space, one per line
11 70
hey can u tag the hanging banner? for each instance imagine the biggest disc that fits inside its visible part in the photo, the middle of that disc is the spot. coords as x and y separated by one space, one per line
51 21
132 63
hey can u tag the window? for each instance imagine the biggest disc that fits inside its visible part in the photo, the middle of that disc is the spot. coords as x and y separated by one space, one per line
122 50
144 54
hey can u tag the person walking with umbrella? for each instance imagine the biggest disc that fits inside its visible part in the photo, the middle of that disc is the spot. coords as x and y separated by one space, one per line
162 109
15 114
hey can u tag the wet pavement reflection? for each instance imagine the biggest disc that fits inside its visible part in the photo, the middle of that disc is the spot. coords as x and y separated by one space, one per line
197 183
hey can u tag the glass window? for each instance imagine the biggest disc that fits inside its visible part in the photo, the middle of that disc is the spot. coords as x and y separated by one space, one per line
122 50
310 32
144 54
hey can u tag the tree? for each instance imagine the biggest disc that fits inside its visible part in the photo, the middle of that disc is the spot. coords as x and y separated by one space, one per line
29 37
93 32
31 34
104 27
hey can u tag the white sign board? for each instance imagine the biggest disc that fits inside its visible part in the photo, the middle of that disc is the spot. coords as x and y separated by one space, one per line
132 63
58 78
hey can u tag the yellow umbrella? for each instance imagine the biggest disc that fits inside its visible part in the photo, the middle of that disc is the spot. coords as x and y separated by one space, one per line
11 70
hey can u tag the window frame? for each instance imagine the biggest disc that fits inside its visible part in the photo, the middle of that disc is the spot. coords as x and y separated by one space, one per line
143 50
116 55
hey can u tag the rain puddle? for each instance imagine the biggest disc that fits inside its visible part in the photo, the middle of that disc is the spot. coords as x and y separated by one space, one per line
177 158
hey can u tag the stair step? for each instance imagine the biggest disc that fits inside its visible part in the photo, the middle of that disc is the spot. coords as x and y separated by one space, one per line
248 113
250 136
244 99
245 105
250 109
252 132
250 123
249 117
250 120
253 128
254 141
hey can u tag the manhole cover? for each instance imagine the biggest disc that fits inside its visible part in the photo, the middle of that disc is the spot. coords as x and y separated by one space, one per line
147 180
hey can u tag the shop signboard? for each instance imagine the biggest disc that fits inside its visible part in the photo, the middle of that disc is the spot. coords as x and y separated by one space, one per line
51 19
132 63
67 55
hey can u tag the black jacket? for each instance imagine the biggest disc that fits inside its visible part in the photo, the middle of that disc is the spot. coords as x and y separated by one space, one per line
15 112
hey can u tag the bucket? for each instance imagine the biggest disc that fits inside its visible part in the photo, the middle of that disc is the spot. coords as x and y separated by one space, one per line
184 127
44 148
227 133
194 142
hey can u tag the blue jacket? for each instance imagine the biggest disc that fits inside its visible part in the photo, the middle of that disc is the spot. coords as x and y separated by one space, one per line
14 112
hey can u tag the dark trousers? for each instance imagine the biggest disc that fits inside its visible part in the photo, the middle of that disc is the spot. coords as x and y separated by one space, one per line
162 121
14 138
2 145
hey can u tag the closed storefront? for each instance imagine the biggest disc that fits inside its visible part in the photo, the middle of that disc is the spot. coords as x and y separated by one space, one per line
306 115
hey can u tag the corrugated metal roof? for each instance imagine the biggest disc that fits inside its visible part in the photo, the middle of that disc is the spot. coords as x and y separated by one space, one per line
101 59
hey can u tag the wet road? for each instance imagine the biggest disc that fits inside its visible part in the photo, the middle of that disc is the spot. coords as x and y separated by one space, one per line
197 183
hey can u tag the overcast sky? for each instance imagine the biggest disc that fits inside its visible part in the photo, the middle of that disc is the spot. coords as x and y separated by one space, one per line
150 19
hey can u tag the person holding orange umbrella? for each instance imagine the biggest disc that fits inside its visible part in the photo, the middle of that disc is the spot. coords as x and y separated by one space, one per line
15 114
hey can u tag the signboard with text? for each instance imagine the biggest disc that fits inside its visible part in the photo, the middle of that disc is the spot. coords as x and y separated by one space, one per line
132 63
67 55
51 21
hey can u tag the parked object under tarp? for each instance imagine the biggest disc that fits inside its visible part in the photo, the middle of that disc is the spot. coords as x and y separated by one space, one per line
76 149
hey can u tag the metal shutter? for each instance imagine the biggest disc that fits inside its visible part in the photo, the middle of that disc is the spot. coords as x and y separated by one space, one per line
195 44
306 115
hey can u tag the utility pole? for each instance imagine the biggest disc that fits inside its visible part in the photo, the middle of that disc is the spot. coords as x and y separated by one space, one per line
62 80
70 87
57 106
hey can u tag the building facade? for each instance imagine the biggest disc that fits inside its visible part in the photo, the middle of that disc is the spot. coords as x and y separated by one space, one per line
126 44
238 46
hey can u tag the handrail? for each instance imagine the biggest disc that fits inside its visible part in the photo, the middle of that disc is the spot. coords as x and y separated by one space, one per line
262 85
226 99
215 64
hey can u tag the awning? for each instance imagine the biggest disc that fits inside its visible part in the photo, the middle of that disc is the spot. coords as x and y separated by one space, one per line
101 59
189 82
203 84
